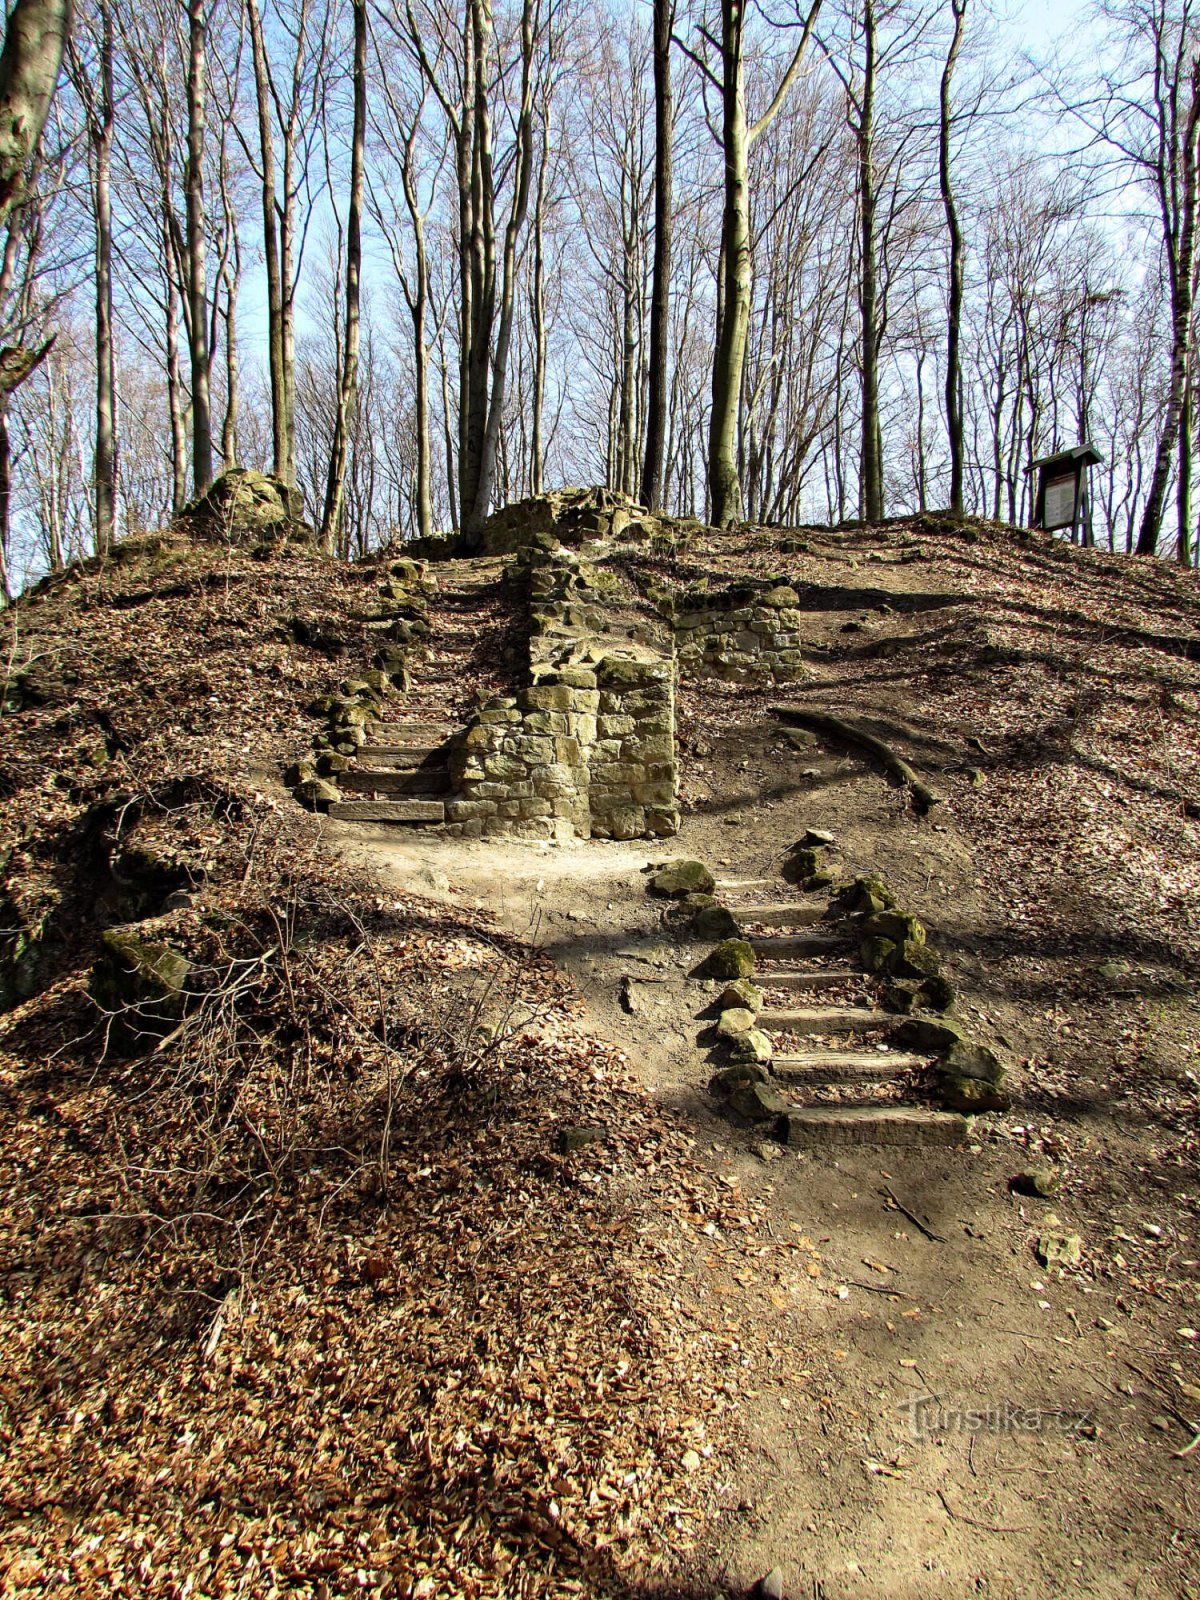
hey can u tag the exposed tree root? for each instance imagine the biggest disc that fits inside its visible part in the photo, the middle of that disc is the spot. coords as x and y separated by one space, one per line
823 722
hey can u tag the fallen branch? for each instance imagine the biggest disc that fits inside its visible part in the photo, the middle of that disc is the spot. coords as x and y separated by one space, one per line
913 1218
973 1522
823 722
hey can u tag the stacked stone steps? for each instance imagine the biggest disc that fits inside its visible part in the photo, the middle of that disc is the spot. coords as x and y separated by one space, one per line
400 771
890 1125
851 1123
819 1069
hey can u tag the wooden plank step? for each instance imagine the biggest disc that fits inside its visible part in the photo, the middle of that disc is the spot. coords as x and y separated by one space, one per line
895 1125
815 1068
388 811
422 780
793 946
813 978
406 733
780 915
401 755
746 883
827 1019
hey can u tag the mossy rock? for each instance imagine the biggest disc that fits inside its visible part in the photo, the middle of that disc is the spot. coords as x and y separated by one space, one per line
938 992
329 764
742 994
142 983
902 996
733 1021
715 922
800 864
317 793
757 1102
877 954
244 506
930 1033
732 958
724 1083
915 960
299 772
897 926
677 878
866 895
971 1078
751 1045
1037 1183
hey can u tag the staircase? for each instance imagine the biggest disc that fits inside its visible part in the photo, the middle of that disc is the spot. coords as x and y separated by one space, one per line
401 774
838 1066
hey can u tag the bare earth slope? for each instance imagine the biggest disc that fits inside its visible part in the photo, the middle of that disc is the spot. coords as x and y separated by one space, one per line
317 1298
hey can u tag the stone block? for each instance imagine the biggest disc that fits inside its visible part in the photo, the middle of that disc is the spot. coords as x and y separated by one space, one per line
611 727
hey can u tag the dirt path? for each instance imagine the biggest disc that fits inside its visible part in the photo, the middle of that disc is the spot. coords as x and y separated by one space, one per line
931 1415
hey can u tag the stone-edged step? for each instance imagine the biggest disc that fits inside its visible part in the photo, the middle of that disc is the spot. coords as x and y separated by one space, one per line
826 1019
895 1125
779 915
730 885
388 811
408 733
404 756
816 1069
792 946
813 978
417 780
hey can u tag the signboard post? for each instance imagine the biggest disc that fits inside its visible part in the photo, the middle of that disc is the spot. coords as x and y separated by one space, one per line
1063 498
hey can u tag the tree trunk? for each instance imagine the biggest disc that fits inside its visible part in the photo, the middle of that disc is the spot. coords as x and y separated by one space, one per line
660 294
871 491
954 288
197 287
724 488
1181 260
335 487
175 399
35 35
104 465
275 363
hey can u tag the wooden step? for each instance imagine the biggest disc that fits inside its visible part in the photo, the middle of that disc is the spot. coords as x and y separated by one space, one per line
420 780
792 946
827 1019
731 884
388 811
400 755
408 733
813 978
779 915
816 1068
896 1125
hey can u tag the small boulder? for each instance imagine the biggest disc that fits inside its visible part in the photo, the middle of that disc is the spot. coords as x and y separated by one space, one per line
877 954
757 1101
732 958
142 982
751 1045
1038 1183
897 926
316 793
902 996
676 878
724 1083
715 922
743 994
579 1135
916 960
734 1020
1060 1249
929 1033
244 506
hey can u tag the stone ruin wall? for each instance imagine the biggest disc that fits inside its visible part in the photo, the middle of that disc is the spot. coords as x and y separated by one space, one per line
741 635
588 748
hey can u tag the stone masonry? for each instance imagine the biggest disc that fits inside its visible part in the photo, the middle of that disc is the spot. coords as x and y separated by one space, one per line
588 747
748 633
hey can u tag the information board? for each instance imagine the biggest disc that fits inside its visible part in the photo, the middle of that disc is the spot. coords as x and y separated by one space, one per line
1059 511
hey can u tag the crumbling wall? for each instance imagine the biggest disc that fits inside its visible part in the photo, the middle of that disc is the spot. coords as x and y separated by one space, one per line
750 633
588 748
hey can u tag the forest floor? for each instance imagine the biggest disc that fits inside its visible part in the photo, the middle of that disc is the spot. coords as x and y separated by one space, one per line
381 1337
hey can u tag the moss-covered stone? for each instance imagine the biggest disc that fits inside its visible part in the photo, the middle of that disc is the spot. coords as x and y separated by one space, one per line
800 864
676 878
141 983
971 1078
914 960
902 996
728 1079
898 926
1038 1183
715 922
742 994
732 958
938 992
757 1102
877 954
929 1033
317 793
